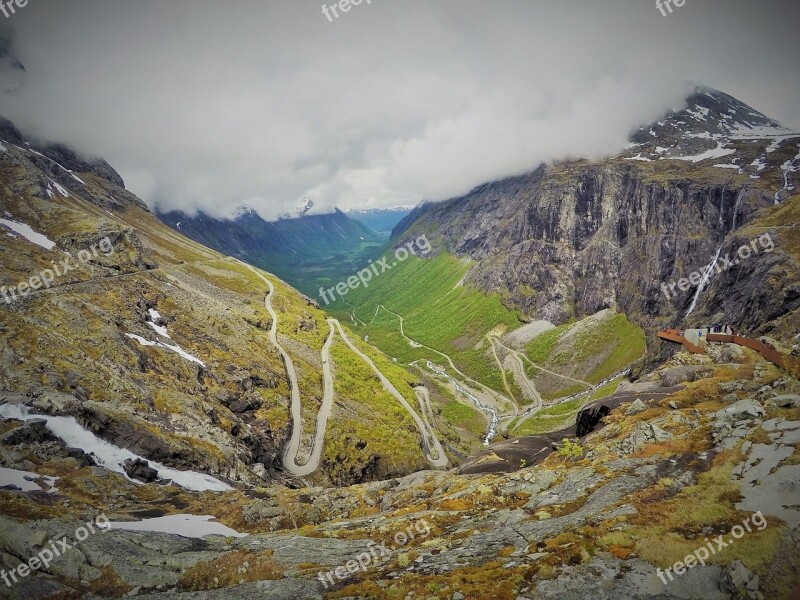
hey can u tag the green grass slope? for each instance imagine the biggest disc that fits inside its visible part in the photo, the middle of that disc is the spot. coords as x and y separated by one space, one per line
439 312
589 351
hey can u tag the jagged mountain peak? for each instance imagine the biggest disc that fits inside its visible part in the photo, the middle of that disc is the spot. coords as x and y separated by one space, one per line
719 112
243 212
300 210
711 114
306 206
718 130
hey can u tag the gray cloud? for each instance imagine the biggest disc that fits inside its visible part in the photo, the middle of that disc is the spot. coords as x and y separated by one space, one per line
206 105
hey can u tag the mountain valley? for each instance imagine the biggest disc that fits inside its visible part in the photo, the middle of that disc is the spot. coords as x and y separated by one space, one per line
188 375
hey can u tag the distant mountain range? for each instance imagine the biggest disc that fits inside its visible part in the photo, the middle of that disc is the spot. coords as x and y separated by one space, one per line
307 251
381 220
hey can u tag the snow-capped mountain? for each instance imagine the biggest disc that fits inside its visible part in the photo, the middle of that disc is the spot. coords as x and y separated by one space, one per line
300 210
719 131
382 220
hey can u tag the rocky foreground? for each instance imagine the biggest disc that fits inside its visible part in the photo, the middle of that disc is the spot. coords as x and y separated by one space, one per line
714 464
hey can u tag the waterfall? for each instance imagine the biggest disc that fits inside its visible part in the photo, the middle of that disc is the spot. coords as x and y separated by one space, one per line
704 281
736 207
712 265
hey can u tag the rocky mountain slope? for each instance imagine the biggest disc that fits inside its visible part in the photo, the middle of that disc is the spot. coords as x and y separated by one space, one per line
709 470
161 346
576 237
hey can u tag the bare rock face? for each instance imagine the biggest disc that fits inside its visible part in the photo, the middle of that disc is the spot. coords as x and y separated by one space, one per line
32 432
635 408
678 375
71 160
247 403
643 434
785 401
578 237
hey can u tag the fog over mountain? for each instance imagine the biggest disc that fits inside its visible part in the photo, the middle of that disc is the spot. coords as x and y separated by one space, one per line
209 105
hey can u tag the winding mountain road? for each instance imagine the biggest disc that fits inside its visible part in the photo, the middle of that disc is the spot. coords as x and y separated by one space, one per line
290 457
434 453
424 399
495 395
437 457
518 368
502 371
522 356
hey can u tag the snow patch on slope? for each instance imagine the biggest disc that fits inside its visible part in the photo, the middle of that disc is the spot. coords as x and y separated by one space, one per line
61 190
717 152
29 234
157 323
174 347
27 481
108 455
189 526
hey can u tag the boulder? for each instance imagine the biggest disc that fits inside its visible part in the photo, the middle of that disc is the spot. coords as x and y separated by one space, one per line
742 410
246 403
643 434
740 581
763 392
679 375
635 408
140 470
34 431
731 386
731 423
84 460
785 401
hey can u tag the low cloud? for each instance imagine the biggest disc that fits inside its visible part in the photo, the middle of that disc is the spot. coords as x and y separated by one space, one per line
207 105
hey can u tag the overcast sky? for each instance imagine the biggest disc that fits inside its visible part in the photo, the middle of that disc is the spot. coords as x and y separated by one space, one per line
211 104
